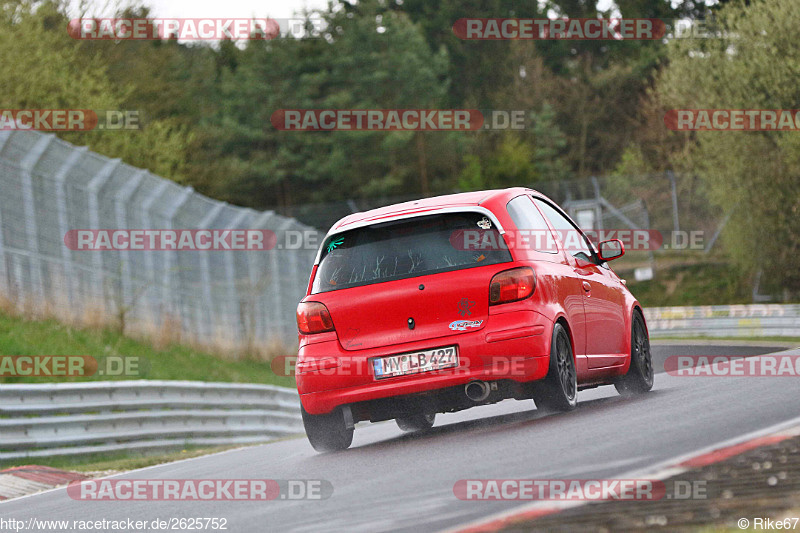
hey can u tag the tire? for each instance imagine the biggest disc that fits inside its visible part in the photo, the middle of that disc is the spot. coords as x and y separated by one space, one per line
419 422
558 391
639 378
328 432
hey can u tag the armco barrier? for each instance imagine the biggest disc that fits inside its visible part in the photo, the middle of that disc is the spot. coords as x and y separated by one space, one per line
76 418
756 320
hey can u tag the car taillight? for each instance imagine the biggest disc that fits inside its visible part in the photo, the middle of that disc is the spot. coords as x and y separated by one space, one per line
511 285
313 317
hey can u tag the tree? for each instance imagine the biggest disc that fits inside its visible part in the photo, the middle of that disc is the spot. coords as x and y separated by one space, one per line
754 176
376 59
47 69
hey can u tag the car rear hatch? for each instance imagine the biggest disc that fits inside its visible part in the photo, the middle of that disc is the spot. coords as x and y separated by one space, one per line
407 280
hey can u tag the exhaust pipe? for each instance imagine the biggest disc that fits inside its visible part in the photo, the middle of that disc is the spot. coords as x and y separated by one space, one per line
477 391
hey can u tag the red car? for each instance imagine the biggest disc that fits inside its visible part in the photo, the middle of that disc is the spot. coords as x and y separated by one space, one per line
442 304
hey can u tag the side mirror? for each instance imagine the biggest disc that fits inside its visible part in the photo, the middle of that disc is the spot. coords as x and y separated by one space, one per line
610 249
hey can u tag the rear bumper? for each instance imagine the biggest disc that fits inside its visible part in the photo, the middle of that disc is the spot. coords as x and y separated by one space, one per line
513 346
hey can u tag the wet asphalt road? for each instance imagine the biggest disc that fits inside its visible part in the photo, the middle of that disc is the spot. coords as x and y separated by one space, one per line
391 481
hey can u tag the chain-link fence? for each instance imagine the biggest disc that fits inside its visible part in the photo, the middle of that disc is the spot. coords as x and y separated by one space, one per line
662 201
225 297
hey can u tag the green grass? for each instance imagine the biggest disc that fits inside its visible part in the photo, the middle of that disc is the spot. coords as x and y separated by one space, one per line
19 336
123 461
116 461
694 284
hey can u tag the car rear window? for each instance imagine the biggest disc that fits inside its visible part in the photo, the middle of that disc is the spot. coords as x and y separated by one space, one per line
404 249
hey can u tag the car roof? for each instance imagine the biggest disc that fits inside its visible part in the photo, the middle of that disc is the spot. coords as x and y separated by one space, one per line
434 203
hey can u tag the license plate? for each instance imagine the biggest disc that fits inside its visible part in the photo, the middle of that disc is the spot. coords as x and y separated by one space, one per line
415 362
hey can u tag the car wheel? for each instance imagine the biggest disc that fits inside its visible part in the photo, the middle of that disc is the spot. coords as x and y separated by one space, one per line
558 391
419 422
639 378
328 432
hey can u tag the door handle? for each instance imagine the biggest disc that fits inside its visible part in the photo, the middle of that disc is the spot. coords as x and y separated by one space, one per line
586 286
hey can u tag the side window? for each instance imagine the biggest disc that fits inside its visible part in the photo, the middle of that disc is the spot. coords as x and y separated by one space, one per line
532 228
572 239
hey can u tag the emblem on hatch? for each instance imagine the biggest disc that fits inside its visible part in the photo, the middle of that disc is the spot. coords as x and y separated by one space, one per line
462 325
485 223
464 306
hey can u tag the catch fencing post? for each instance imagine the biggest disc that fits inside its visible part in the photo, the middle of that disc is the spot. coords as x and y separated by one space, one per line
27 165
168 291
252 289
205 273
121 198
674 193
60 178
94 187
149 262
3 275
278 286
264 310
230 273
4 137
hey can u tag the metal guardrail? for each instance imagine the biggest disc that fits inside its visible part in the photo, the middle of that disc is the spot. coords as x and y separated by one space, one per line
51 419
76 418
730 321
